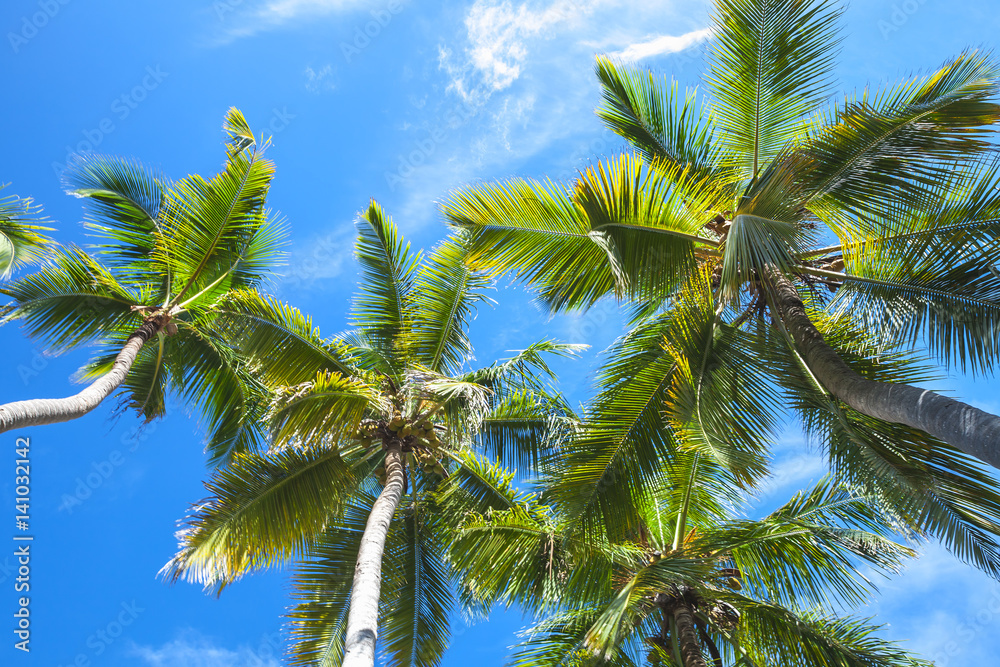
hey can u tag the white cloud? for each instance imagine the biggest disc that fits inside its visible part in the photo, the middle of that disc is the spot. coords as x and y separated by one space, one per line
319 80
663 45
262 16
191 649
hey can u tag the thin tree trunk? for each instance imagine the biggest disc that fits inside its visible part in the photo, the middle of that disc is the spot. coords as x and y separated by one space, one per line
362 618
34 412
687 636
962 426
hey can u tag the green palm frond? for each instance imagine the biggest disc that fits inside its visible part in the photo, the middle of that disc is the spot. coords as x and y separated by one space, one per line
524 428
659 122
21 241
934 276
612 461
285 345
721 401
327 408
892 144
806 552
526 369
214 377
534 231
216 227
125 207
625 228
445 297
72 301
774 635
383 308
772 65
922 485
560 641
263 509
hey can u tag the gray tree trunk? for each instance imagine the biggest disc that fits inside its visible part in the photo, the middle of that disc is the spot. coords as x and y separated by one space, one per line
687 637
34 412
962 426
362 618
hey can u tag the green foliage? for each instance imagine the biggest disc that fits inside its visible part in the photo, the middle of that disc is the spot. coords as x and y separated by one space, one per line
21 241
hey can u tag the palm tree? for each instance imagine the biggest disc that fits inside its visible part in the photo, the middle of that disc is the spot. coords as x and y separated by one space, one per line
685 382
21 242
169 253
372 431
889 200
635 543
708 589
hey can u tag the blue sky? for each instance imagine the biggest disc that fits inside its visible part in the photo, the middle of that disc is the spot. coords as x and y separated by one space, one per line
392 99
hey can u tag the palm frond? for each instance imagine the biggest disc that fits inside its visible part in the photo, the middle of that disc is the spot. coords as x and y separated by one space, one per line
281 342
263 509
771 66
72 301
382 309
895 143
774 635
445 299
213 239
21 241
125 207
652 115
328 408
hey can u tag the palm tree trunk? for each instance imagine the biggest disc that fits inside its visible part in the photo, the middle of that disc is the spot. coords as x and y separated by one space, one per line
362 618
34 412
687 636
962 426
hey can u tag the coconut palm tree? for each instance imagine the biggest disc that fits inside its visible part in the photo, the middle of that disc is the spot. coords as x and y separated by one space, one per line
694 586
146 295
370 429
686 380
635 543
889 200
21 241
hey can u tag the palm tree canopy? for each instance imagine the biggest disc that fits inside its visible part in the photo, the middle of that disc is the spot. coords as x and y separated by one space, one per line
883 211
175 250
402 373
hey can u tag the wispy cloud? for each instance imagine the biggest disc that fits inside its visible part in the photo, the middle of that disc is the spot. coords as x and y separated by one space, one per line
246 20
191 649
319 80
663 45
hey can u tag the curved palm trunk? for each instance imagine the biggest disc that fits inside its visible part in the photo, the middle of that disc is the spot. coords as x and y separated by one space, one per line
687 637
34 412
362 618
962 426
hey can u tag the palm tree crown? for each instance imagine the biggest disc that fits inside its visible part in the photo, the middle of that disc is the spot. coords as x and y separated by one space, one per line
168 254
715 233
375 434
